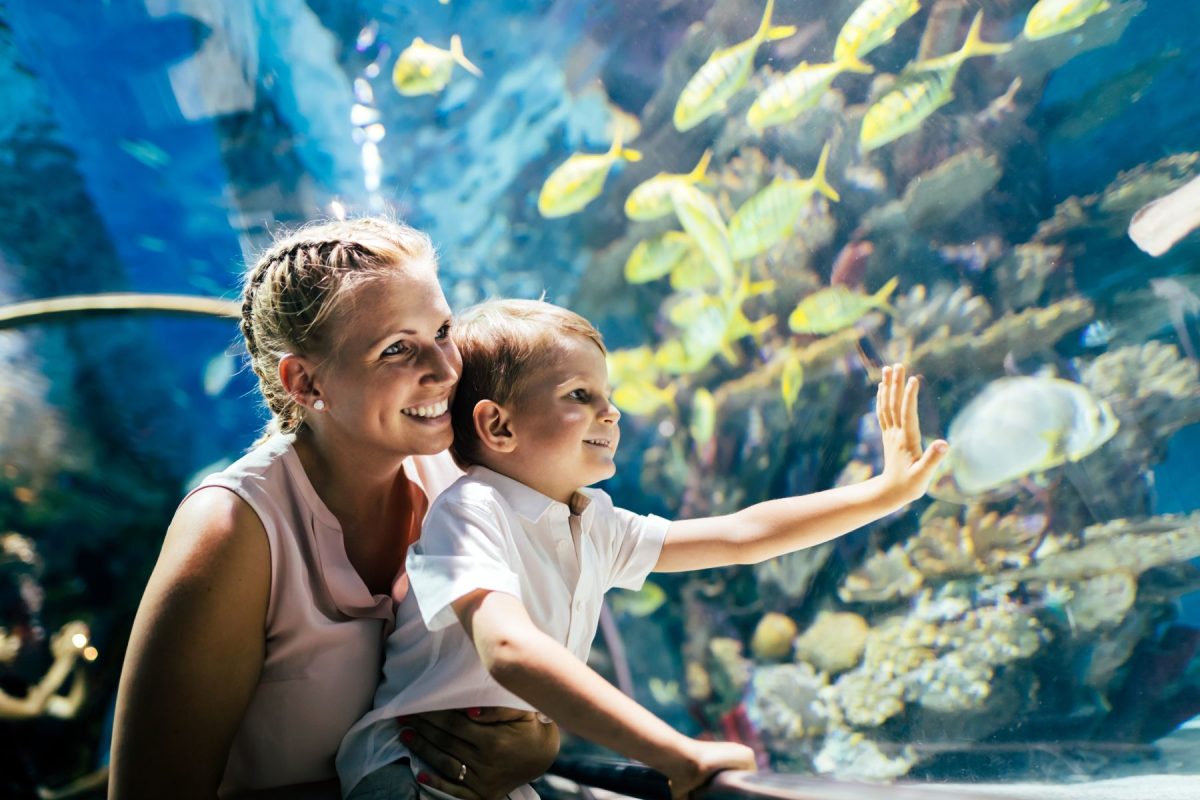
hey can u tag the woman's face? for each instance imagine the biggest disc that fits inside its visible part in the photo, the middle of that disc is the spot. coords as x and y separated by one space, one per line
389 381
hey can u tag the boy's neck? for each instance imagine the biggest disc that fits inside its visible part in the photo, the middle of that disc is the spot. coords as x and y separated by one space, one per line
516 470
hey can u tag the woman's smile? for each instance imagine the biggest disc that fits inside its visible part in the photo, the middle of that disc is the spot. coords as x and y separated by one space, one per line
436 413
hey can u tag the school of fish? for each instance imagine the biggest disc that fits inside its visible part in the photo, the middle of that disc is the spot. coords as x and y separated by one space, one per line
705 259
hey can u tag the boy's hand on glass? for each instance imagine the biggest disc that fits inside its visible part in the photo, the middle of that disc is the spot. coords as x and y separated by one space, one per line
907 471
500 748
702 761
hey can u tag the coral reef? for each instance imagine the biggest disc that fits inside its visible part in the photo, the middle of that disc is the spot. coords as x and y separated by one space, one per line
773 635
785 703
834 642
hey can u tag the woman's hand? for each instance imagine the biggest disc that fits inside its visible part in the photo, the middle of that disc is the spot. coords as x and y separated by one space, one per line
501 749
907 471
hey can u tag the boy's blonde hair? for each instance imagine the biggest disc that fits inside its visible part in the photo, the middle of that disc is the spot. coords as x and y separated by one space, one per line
504 343
292 295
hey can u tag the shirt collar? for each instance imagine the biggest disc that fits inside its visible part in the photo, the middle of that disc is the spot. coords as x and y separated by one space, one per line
529 503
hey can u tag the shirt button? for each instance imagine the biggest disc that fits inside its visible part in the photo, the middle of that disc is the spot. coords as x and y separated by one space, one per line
562 546
579 605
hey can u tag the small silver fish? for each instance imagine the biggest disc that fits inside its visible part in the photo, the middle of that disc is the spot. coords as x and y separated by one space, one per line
1181 304
1158 225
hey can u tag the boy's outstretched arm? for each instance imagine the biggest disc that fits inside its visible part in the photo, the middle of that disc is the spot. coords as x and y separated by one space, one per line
775 527
549 677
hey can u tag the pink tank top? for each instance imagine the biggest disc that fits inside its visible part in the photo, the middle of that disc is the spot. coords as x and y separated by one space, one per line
325 630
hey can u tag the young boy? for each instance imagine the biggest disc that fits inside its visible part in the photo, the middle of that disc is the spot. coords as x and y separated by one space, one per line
515 557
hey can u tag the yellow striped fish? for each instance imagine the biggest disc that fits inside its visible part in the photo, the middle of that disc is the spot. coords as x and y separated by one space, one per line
655 257
642 398
922 88
693 272
703 422
651 198
709 324
579 180
872 23
837 307
797 91
676 358
769 216
1052 17
424 68
726 71
629 365
701 218
791 381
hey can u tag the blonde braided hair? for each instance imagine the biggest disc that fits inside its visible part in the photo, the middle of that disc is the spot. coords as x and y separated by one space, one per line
295 287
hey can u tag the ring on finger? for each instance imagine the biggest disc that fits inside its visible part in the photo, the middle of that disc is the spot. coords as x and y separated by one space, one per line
462 772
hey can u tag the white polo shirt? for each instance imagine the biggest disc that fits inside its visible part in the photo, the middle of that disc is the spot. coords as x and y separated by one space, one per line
488 531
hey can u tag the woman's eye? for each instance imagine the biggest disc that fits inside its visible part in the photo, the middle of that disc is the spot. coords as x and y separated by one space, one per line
444 331
397 349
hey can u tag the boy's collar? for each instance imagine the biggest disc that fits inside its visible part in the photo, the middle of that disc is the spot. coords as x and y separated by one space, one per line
526 501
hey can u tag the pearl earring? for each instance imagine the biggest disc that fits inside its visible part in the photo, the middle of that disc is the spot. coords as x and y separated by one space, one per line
319 405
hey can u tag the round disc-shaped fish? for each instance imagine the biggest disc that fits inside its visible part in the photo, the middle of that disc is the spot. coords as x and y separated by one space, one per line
1023 425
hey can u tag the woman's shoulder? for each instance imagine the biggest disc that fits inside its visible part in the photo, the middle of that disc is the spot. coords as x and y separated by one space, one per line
214 522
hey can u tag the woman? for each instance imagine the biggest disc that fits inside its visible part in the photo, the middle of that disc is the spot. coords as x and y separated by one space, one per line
258 641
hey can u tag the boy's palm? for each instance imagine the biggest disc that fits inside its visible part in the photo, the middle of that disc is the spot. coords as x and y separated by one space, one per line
907 470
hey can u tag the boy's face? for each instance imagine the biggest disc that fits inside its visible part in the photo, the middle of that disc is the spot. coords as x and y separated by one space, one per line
565 426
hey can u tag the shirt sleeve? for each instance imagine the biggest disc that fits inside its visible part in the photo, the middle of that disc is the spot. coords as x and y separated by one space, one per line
462 549
636 548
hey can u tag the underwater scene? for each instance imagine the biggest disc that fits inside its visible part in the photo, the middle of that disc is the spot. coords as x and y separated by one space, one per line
759 203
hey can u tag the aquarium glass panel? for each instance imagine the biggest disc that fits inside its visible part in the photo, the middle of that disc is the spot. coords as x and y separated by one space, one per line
765 207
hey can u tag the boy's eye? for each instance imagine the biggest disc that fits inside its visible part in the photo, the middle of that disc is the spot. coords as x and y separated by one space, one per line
579 394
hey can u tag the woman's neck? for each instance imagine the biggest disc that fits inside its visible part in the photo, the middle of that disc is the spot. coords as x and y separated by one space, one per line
358 490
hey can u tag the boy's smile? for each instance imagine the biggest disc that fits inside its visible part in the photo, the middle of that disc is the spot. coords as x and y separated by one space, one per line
564 423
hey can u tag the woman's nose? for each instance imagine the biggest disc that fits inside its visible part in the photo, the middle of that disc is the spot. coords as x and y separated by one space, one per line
440 366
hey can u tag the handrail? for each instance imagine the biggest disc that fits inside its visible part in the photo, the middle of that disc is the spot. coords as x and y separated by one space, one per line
637 780
85 305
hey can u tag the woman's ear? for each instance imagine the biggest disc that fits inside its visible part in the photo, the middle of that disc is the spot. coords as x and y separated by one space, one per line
493 426
296 375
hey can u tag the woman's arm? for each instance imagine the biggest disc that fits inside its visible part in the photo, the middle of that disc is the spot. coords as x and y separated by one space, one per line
195 653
